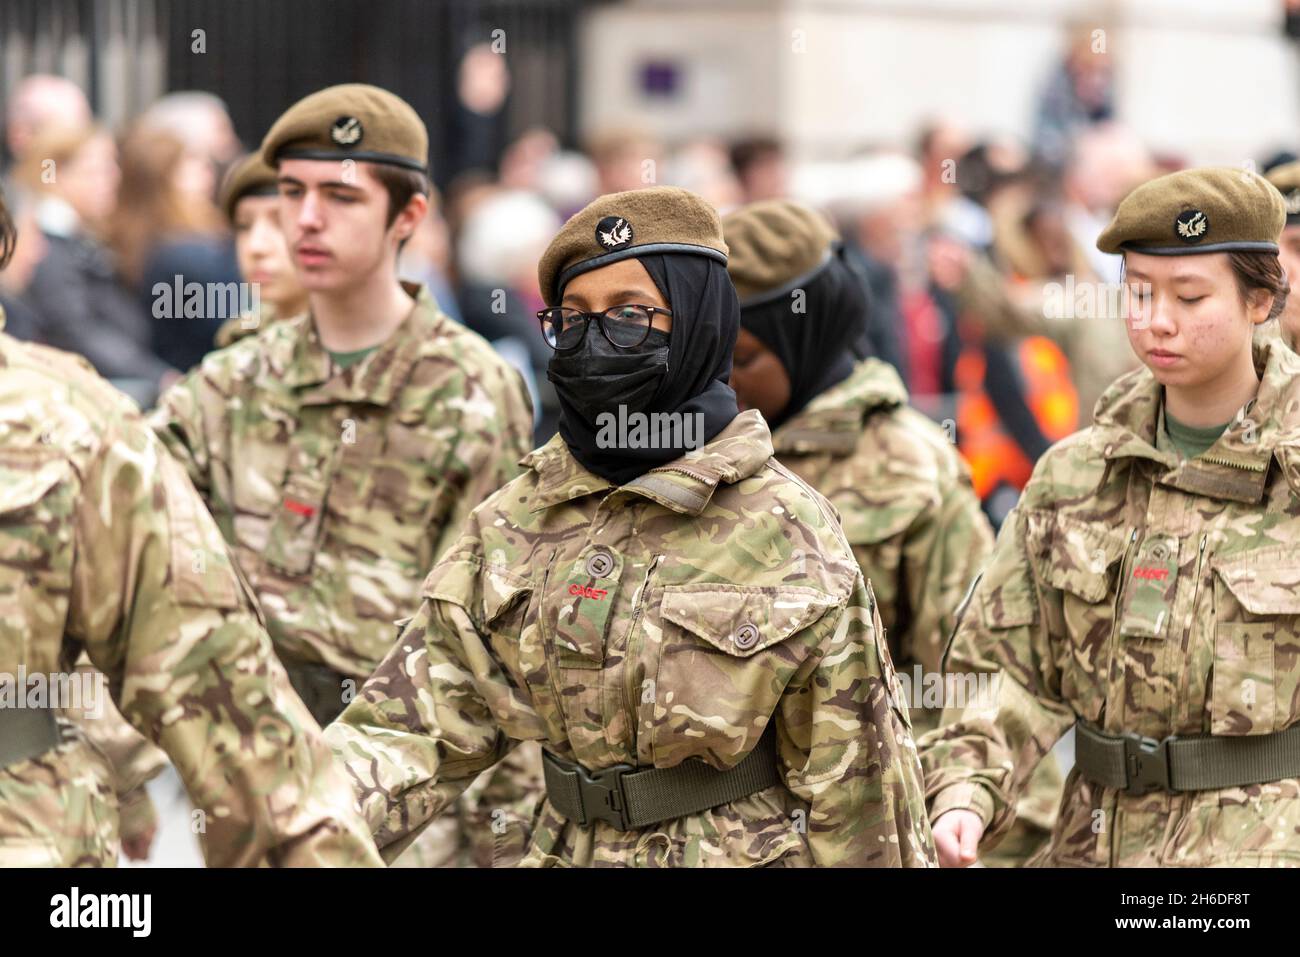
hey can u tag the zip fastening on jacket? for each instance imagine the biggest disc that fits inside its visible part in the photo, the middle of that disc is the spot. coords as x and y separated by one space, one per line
1246 466
631 699
1186 651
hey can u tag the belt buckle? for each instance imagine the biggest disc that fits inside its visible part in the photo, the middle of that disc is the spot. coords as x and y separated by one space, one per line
605 788
1147 762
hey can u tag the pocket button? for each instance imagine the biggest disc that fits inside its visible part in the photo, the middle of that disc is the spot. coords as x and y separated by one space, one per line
746 636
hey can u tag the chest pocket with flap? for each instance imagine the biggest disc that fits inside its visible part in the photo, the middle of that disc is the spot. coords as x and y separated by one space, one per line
724 663
1255 685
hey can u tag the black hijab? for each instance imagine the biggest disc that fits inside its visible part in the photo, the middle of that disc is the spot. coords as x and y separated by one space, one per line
706 319
815 346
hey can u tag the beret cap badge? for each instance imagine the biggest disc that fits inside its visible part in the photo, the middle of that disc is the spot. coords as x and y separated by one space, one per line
1191 225
613 232
346 131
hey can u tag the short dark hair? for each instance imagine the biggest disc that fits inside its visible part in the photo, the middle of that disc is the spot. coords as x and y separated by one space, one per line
748 152
401 185
1261 270
8 233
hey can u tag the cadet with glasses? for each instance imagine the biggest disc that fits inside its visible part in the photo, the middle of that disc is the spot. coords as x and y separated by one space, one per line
684 629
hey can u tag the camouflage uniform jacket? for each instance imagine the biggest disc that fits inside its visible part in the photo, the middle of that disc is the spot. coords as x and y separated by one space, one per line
104 547
905 502
1146 594
673 617
339 488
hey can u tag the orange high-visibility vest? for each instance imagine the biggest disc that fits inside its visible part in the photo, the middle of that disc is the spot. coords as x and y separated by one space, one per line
993 456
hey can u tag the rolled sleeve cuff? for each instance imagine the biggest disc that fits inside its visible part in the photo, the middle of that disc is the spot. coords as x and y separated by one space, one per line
966 797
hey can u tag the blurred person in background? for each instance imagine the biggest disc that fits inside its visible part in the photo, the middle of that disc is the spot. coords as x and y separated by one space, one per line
1103 165
625 159
703 166
1079 93
168 231
426 258
250 200
79 299
41 102
500 244
567 181
939 144
875 200
761 168
201 121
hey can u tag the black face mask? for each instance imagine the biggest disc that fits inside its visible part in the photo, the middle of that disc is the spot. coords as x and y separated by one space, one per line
683 372
597 377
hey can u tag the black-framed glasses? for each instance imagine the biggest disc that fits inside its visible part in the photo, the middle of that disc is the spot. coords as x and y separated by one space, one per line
626 327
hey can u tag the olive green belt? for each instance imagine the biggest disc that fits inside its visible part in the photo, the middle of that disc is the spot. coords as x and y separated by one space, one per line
1201 762
631 797
25 733
320 688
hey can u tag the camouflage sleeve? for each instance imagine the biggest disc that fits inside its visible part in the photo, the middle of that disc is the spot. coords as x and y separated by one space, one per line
178 422
850 753
501 420
424 724
942 553
981 755
133 758
160 610
983 299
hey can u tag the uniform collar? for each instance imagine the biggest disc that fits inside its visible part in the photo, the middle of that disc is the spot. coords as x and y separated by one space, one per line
832 422
685 485
1236 466
376 378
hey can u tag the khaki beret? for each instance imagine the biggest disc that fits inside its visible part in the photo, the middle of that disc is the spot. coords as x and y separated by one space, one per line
351 121
776 246
248 177
661 219
1286 180
1209 210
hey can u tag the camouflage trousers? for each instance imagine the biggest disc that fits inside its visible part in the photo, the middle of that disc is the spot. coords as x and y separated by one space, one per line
59 809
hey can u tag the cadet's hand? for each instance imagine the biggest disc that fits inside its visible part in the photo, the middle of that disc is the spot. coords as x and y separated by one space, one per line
956 837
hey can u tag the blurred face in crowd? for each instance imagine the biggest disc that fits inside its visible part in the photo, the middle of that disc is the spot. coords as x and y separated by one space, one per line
1289 255
264 255
1189 323
335 220
195 177
759 378
88 179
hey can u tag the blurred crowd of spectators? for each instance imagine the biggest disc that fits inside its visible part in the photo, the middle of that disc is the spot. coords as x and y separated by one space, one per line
958 236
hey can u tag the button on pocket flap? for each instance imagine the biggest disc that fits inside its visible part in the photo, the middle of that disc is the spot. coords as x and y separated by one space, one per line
24 480
741 620
486 591
1075 556
1265 583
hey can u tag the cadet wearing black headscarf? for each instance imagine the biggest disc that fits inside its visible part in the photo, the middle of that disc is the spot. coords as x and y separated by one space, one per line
684 629
844 426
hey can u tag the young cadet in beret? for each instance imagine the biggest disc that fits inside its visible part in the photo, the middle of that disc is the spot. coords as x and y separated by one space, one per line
674 615
341 450
250 199
902 491
1287 180
1146 590
107 553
